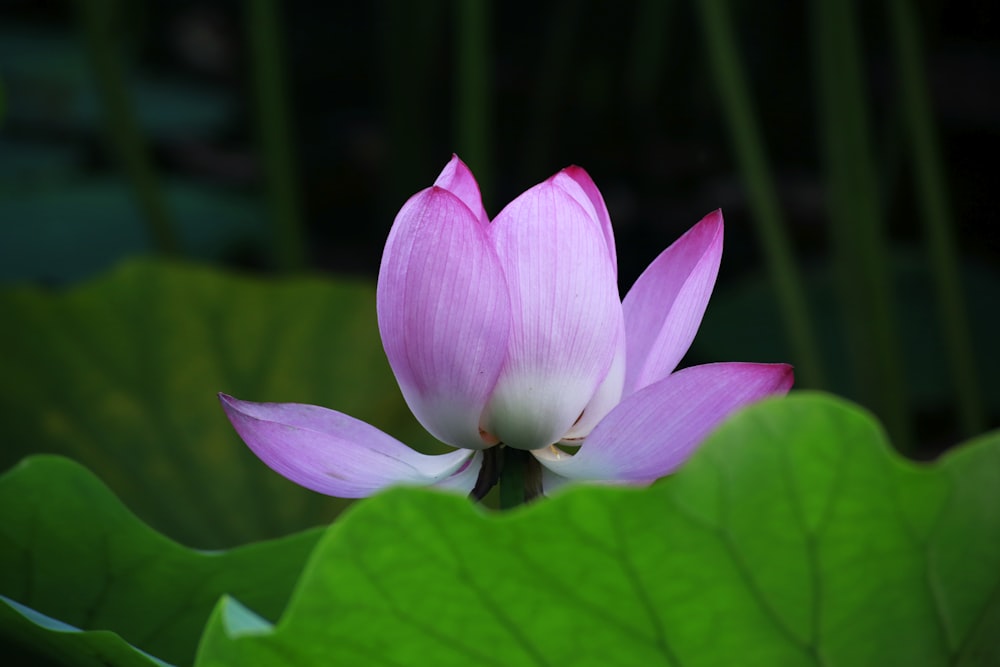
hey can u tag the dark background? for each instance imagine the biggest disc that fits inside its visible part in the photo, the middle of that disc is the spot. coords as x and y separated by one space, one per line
623 89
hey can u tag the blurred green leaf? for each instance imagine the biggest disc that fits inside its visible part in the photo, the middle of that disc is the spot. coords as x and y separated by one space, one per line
70 551
122 375
794 537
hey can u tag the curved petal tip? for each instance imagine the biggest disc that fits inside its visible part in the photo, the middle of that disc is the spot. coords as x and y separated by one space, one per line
457 179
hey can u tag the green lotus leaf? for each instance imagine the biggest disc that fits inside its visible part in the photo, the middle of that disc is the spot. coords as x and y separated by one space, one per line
122 374
84 582
793 537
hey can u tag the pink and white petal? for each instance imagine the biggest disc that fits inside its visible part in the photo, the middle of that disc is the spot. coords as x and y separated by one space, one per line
576 181
663 310
457 179
608 395
463 479
656 429
566 317
444 314
332 453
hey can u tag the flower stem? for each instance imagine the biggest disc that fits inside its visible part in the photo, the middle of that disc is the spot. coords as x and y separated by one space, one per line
520 478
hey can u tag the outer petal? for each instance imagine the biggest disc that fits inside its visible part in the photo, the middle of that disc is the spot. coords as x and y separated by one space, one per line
664 308
608 395
443 313
457 179
566 317
656 429
332 453
463 479
578 183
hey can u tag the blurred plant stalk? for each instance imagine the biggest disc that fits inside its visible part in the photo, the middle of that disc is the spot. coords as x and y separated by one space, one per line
555 61
771 228
857 226
409 34
857 219
274 135
97 19
474 81
935 213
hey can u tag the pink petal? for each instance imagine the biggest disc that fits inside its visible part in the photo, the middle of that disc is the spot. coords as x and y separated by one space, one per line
443 313
565 311
463 479
656 429
608 395
332 453
457 179
578 183
664 308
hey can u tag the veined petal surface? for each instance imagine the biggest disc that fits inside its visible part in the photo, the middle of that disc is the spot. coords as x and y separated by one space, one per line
663 310
576 181
656 429
565 312
443 314
607 396
332 453
457 179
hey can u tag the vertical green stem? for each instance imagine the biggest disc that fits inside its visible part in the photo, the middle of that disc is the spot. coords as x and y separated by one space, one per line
746 137
856 224
520 478
120 122
512 478
473 77
936 214
274 132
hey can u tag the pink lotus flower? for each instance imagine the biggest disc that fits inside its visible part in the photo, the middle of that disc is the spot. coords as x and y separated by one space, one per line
512 332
